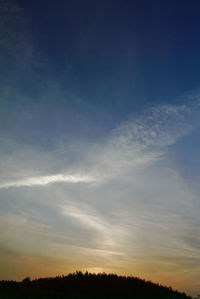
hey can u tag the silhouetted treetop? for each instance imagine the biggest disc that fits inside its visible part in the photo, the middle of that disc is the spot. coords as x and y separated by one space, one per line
80 285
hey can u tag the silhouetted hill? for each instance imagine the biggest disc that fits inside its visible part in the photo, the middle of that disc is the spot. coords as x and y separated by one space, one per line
87 286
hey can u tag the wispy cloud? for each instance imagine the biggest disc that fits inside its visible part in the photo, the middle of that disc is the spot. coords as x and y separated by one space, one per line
142 141
158 126
132 209
132 146
92 220
45 180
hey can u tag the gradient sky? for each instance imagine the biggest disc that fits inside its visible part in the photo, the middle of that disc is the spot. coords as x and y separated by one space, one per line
99 139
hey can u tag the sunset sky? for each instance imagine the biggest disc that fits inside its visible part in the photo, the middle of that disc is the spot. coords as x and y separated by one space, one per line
100 139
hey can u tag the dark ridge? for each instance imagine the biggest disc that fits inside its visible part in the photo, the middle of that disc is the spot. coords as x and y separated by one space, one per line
87 286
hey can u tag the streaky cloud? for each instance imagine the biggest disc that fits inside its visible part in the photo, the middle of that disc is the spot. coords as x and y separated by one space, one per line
50 179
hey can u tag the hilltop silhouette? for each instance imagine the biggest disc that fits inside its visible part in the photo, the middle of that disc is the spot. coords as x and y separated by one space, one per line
87 286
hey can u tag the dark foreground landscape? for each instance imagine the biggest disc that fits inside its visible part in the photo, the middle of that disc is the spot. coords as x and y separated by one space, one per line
87 286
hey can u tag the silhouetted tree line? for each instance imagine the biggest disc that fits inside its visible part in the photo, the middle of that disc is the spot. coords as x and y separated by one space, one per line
88 286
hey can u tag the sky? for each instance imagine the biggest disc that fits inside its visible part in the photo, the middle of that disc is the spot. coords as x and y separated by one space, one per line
99 139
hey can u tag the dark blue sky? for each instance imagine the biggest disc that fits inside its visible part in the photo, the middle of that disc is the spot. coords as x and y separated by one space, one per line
98 63
118 54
